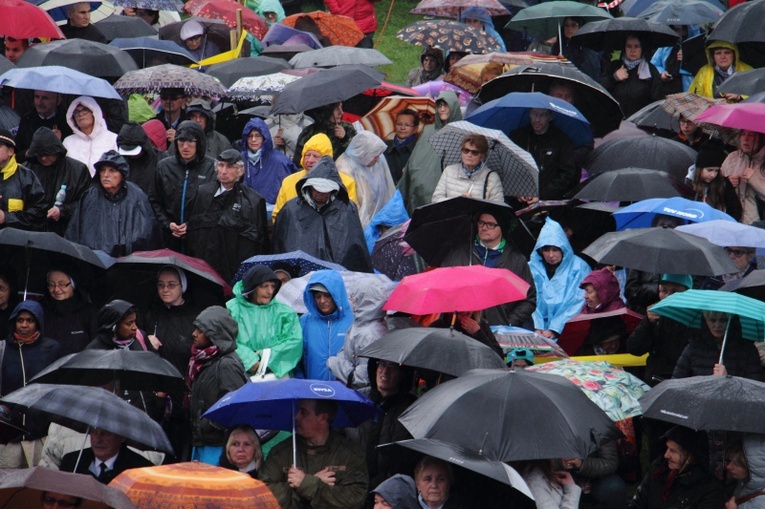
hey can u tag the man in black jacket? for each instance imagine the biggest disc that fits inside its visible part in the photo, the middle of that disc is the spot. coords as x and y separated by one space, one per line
105 459
134 145
78 26
22 199
47 113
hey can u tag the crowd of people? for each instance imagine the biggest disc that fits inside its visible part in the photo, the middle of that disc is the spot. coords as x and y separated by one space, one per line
320 183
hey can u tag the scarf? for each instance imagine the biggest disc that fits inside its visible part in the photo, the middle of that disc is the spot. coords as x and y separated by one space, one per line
198 360
644 71
470 173
123 343
721 76
405 141
28 340
253 157
10 168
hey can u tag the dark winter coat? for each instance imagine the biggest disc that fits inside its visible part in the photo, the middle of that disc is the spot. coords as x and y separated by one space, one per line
554 155
173 326
216 142
632 93
664 341
266 175
89 33
29 125
397 157
143 166
22 199
71 322
693 489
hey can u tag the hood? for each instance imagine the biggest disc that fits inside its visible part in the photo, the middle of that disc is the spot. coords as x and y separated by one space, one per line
399 491
203 107
392 214
368 300
132 135
111 313
478 13
754 450
256 123
605 283
320 143
552 234
99 125
263 6
219 327
113 158
256 275
723 44
336 287
364 147
324 169
455 113
32 307
436 53
45 142
190 129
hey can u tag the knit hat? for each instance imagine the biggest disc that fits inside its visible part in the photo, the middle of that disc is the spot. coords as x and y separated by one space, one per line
157 134
710 155
679 279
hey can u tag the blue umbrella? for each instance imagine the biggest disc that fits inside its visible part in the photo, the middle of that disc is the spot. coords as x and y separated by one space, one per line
725 233
145 49
640 214
62 80
298 260
279 34
511 112
57 9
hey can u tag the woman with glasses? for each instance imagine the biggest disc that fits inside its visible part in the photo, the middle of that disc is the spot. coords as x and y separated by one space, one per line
90 137
264 167
470 177
70 317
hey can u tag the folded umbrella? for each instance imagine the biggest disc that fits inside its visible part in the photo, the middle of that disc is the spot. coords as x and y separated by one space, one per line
62 80
642 213
93 58
630 184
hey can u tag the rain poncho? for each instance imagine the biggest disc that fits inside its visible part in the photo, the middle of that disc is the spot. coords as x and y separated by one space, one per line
558 299
422 172
703 82
274 325
261 7
482 15
754 450
392 214
324 335
265 172
88 148
364 162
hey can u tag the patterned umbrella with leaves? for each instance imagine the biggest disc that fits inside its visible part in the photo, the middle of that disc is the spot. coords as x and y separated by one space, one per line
449 36
154 79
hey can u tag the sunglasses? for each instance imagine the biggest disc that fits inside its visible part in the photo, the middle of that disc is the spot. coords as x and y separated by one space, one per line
738 253
471 151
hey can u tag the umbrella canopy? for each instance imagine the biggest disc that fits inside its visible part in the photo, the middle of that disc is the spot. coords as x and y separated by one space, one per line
614 390
691 106
394 257
466 72
381 119
544 20
24 488
454 8
743 23
653 152
662 251
752 285
749 116
724 403
744 83
590 98
510 337
226 10
84 408
154 79
511 112
611 33
687 309
448 35
216 30
631 184
279 34
93 58
154 5
557 420
642 213
126 27
141 371
6 65
515 167
434 88
299 262
725 233
441 350
57 9
635 7
326 87
150 51
24 20
229 72
340 30
577 329
451 289
194 485
652 116
333 56
688 12
260 88
61 80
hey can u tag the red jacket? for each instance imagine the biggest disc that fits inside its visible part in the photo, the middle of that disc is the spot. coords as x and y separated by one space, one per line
362 12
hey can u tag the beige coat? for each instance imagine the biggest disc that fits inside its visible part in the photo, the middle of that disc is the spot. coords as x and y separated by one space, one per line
748 192
454 182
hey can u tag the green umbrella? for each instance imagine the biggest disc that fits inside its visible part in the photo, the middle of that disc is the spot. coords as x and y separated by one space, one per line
545 19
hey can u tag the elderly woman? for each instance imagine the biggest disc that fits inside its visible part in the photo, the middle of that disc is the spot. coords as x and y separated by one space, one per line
470 177
90 136
434 479
746 465
242 451
69 317
632 80
265 167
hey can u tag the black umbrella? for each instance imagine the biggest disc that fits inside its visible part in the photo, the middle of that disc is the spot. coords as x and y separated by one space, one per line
655 118
229 72
723 403
694 53
5 65
326 87
84 408
594 101
116 26
743 23
752 285
439 227
442 350
744 83
662 251
631 184
511 416
610 34
93 58
652 152
150 51
392 257
134 370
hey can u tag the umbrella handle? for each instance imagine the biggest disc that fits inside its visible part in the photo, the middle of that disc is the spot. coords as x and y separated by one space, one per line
82 448
725 340
294 440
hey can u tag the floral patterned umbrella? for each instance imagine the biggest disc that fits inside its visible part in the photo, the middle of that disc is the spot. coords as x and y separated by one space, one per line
226 11
614 390
340 30
454 8
154 79
381 120
449 36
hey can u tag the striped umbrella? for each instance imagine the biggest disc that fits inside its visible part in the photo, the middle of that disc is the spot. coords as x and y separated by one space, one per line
381 120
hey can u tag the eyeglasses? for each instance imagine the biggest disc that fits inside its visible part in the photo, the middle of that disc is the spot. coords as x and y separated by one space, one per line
255 136
398 124
63 504
80 112
60 286
471 151
737 253
489 226
169 286
187 142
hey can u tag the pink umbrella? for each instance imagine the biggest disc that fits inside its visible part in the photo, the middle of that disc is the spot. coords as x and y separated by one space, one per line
451 289
433 88
749 116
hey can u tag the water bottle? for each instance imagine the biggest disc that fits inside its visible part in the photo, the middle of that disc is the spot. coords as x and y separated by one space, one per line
60 196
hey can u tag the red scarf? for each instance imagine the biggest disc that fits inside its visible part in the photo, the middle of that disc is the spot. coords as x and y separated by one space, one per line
198 360
26 340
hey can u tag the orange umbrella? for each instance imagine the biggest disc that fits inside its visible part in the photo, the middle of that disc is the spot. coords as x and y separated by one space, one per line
226 11
340 30
193 485
381 120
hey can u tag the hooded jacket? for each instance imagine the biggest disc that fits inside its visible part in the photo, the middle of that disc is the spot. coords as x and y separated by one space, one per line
65 171
87 148
418 76
482 15
703 82
274 325
399 491
607 288
22 197
324 124
108 317
423 170
266 174
694 487
321 144
324 335
754 451
216 142
558 298
144 165
392 214
223 374
333 234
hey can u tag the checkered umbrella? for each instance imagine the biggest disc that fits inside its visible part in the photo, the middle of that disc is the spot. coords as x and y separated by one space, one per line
154 79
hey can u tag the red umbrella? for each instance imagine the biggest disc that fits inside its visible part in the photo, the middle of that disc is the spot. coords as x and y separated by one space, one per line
576 330
226 11
23 20
450 289
749 116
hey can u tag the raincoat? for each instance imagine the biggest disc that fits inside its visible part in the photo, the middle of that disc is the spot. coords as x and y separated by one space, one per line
264 175
392 214
144 165
703 82
423 170
274 325
558 298
418 75
216 142
754 450
482 15
323 336
606 287
22 197
88 148
364 162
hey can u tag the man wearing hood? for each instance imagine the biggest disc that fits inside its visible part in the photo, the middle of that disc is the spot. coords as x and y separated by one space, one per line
141 155
722 62
47 113
177 182
47 158
228 222
114 215
200 112
22 198
322 221
431 67
90 137
265 168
